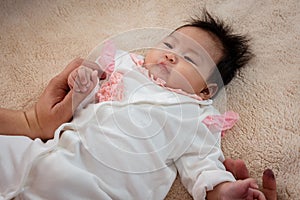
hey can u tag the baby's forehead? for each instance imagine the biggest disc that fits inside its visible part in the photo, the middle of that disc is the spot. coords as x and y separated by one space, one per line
185 43
183 38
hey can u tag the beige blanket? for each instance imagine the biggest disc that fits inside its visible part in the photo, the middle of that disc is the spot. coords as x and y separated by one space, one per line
39 38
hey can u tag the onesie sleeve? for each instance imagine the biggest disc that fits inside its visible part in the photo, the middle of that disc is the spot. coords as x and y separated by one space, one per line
201 166
89 99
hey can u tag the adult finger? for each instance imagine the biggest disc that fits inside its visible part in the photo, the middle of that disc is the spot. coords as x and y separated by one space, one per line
229 165
70 67
269 185
71 79
237 168
64 108
241 169
91 65
95 66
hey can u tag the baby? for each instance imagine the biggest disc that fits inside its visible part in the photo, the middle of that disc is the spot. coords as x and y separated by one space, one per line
188 67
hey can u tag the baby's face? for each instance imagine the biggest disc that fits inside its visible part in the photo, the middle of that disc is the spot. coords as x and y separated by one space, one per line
184 59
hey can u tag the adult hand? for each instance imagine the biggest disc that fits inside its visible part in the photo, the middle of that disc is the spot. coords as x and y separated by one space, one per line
239 170
54 106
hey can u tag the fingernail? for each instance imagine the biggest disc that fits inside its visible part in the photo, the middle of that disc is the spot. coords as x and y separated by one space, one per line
269 173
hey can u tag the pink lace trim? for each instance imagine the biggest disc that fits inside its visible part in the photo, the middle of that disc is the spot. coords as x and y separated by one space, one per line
113 87
221 122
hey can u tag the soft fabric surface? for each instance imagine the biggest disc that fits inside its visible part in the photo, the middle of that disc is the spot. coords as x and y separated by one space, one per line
39 38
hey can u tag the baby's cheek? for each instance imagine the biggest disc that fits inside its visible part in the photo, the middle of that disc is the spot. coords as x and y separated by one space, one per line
176 80
151 57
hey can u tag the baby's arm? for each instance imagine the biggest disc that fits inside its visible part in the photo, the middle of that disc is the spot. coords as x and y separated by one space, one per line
241 189
204 175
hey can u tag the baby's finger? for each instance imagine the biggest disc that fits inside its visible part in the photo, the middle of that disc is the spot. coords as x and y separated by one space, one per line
256 194
91 65
92 81
82 76
230 166
81 81
251 182
71 67
241 169
78 87
94 77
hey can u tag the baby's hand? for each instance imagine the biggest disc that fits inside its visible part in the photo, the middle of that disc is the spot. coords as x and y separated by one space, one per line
83 73
83 79
242 189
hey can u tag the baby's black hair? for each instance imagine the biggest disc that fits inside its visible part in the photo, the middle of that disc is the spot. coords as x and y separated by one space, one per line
235 47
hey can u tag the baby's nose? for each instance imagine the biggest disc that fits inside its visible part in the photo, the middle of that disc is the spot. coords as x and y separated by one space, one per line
171 57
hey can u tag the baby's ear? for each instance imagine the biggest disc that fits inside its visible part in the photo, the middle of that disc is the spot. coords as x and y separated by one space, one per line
209 91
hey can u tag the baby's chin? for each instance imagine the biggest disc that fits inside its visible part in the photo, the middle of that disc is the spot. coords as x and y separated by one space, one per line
163 81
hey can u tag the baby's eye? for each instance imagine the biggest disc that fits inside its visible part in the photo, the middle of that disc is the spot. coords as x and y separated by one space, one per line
189 59
168 45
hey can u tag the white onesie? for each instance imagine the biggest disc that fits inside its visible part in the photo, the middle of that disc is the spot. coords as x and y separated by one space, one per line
126 149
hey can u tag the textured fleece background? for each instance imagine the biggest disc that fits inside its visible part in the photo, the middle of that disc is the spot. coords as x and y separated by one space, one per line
39 38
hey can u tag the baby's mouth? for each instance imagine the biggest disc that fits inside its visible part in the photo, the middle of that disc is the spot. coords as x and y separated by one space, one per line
164 68
158 70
